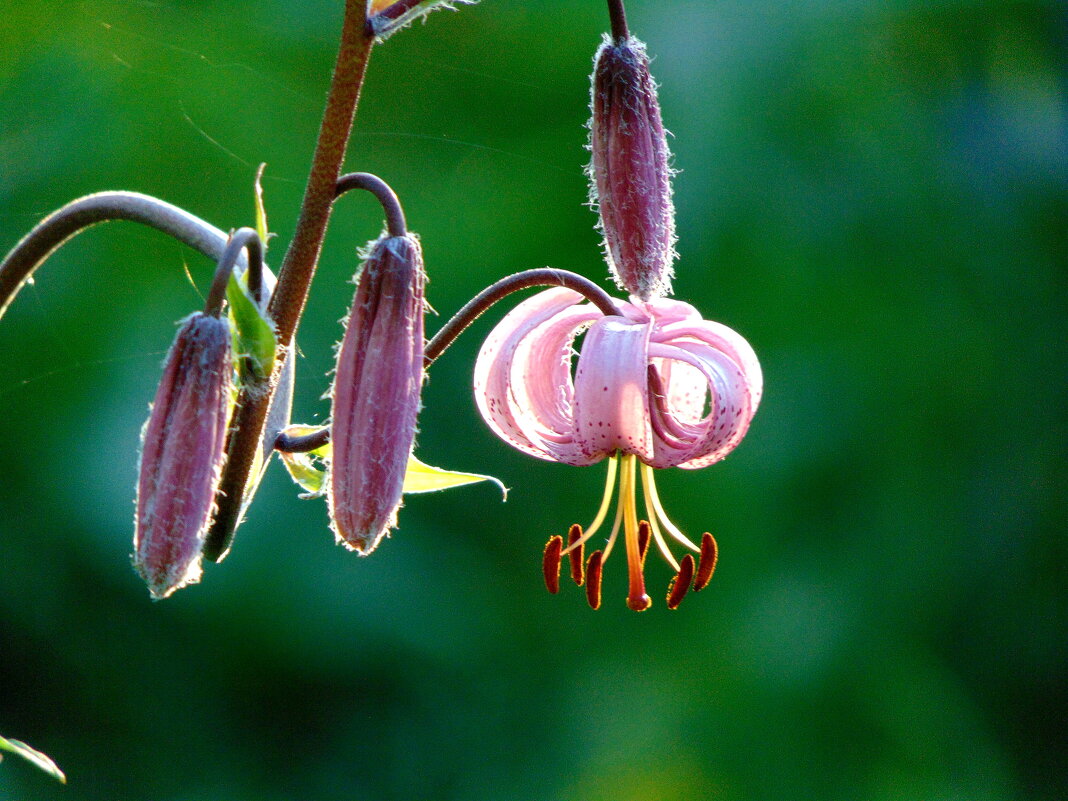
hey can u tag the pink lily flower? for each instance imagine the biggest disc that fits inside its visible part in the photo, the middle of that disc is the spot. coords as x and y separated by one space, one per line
656 387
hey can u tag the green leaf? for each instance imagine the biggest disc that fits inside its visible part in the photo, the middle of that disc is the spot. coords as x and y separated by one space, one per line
254 335
42 761
305 470
425 478
261 211
305 473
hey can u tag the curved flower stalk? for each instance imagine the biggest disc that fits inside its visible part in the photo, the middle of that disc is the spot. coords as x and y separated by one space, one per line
376 393
182 454
656 386
386 17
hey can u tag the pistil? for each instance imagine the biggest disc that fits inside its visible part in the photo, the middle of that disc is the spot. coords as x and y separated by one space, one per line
636 596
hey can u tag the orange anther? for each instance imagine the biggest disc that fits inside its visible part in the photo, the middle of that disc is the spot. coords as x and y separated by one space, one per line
593 579
709 555
550 564
573 536
680 585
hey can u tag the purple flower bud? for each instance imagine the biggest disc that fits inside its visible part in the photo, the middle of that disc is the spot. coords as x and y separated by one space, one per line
630 171
376 393
182 453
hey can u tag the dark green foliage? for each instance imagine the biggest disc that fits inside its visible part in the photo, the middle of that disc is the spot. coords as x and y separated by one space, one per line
874 194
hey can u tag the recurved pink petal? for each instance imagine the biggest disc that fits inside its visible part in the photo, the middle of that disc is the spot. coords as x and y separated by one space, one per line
722 338
494 390
691 445
612 390
660 312
542 394
182 455
683 387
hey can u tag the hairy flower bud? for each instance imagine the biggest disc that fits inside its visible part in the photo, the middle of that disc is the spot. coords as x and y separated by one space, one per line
376 393
182 452
630 173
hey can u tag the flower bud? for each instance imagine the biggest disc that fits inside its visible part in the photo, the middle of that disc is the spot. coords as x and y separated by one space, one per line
376 393
630 171
182 453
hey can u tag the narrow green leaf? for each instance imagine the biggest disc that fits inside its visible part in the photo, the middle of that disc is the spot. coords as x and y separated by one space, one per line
304 472
35 757
304 468
425 478
261 210
253 332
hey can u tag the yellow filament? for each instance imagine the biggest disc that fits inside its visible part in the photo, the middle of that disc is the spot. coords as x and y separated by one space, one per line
626 498
652 500
660 543
609 489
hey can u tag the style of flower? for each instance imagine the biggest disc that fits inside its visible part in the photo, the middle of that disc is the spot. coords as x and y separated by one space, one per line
654 387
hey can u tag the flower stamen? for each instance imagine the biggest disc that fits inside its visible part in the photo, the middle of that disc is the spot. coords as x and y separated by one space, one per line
593 579
550 564
619 515
602 513
651 497
661 543
709 556
643 539
680 584
575 554
650 507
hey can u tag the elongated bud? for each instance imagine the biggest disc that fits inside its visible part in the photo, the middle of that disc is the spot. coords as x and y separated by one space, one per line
182 453
376 393
630 174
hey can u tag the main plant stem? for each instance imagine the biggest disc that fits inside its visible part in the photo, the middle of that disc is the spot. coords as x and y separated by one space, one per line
298 268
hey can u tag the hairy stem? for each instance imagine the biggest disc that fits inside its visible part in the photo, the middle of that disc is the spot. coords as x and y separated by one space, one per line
298 268
241 239
618 16
304 443
61 225
395 224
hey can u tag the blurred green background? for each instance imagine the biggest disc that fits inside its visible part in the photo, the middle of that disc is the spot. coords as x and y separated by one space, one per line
874 193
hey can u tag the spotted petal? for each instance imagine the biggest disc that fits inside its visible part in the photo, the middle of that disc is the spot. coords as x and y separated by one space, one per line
493 368
721 338
691 445
542 394
612 390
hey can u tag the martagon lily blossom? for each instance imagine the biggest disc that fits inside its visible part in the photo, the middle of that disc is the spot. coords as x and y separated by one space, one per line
656 386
